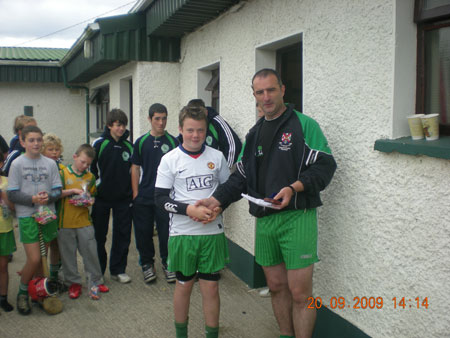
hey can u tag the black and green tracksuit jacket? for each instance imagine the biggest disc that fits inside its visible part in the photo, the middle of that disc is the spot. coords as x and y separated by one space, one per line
299 151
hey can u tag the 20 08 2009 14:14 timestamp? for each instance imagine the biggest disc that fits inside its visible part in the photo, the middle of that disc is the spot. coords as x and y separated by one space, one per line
368 303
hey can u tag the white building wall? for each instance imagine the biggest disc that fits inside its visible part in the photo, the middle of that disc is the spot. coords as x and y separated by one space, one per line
153 82
382 228
56 109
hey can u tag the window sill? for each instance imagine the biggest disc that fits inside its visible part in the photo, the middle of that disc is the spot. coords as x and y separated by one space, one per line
405 145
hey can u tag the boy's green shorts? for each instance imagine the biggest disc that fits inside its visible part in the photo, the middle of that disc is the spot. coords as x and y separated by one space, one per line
29 230
7 243
203 253
289 237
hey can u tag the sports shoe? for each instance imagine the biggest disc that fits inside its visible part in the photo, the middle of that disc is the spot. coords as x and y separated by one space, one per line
75 290
94 293
149 273
103 288
121 278
171 277
23 306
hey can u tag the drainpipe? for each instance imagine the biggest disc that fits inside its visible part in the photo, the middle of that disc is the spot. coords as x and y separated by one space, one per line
63 70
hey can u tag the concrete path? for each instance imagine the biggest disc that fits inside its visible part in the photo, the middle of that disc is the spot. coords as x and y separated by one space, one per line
138 310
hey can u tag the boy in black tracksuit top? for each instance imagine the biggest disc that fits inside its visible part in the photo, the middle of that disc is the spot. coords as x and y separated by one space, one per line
219 135
111 167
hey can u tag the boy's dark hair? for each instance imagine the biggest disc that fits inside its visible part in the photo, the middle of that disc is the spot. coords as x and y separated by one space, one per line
87 149
266 72
156 108
116 115
20 122
195 113
196 103
30 129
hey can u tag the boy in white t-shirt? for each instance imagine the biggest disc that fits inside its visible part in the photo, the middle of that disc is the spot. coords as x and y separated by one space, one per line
189 173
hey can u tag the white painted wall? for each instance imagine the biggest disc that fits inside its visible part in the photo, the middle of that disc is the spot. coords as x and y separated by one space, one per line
383 230
153 82
55 108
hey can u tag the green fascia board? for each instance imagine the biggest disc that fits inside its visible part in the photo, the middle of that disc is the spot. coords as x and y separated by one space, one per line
121 23
36 74
406 145
177 17
114 45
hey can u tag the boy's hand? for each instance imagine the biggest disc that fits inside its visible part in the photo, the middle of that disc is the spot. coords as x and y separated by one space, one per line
77 191
216 212
199 213
41 198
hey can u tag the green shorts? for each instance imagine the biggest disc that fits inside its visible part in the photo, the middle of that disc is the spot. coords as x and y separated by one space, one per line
29 230
203 253
289 237
7 243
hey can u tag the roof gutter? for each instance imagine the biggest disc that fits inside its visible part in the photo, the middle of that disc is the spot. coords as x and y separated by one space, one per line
141 6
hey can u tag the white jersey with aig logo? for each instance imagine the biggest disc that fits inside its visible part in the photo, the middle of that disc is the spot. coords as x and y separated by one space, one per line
191 179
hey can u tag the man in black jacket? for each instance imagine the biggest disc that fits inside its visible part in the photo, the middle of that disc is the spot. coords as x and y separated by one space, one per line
285 157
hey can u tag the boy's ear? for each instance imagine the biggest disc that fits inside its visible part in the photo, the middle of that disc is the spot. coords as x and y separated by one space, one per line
180 129
22 142
74 156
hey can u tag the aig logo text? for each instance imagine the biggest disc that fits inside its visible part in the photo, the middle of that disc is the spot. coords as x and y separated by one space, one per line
199 182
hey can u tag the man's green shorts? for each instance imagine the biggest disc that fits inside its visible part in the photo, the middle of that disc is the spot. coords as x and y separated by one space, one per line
29 230
289 237
203 253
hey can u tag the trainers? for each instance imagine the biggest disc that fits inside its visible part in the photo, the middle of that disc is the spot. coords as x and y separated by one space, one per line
121 278
149 273
103 288
171 277
23 306
75 290
94 293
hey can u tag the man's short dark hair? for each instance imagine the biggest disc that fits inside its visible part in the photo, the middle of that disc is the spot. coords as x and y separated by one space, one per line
116 115
87 149
195 113
196 103
156 108
30 129
266 72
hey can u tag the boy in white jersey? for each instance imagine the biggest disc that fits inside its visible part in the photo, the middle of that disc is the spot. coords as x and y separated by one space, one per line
189 173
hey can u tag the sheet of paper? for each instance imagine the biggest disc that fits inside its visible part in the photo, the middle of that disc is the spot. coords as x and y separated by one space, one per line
259 201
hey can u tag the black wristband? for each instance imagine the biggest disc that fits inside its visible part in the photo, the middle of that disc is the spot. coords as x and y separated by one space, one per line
293 190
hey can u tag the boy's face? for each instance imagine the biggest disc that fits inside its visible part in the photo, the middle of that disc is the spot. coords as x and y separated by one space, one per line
81 162
52 151
117 130
194 134
158 123
32 144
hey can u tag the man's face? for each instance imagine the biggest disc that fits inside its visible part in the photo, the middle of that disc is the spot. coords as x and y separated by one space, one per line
117 130
158 123
269 95
33 144
194 134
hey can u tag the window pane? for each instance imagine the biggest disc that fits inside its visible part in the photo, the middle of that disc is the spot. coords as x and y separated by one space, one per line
437 70
429 4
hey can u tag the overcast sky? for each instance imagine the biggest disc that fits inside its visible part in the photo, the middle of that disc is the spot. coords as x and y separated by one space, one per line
24 20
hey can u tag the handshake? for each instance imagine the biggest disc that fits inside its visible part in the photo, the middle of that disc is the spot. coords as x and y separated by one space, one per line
205 210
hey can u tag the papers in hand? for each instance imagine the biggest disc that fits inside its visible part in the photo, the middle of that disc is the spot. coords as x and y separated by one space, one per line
260 202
